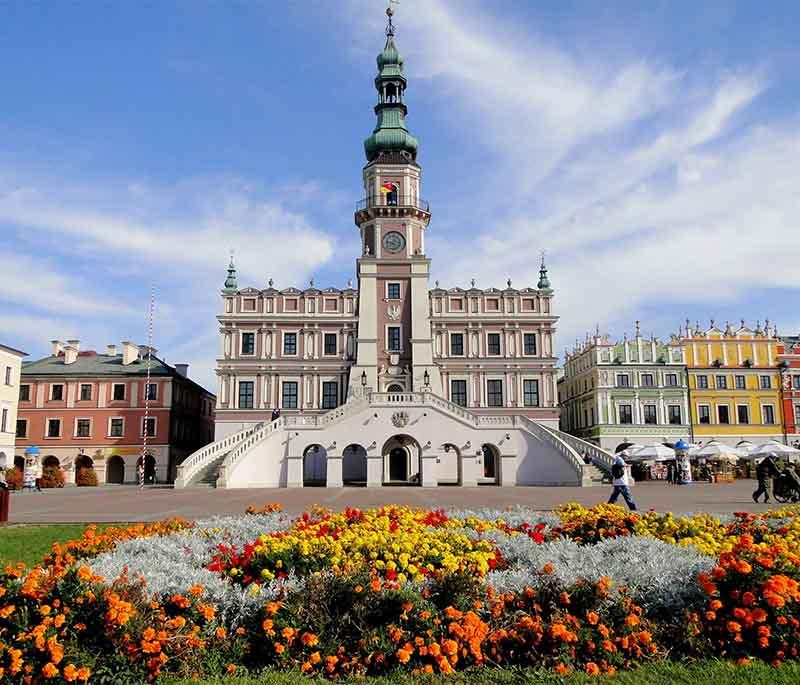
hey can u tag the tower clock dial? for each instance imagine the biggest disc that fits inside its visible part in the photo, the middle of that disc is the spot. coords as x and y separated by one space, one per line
393 241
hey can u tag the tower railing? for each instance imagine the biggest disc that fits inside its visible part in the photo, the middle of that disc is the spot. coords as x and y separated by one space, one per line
389 200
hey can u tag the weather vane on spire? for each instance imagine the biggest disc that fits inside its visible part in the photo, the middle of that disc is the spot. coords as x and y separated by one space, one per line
390 14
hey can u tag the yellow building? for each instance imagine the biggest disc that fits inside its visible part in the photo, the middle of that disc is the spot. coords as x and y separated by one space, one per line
734 383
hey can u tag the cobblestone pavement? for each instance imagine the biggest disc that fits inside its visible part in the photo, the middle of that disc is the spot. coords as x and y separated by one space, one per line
127 503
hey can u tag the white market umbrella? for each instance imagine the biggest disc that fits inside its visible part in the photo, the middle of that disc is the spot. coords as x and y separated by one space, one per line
630 449
717 450
744 447
656 451
776 448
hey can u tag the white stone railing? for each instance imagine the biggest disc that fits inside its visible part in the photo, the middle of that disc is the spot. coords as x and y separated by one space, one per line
549 436
267 430
599 456
198 460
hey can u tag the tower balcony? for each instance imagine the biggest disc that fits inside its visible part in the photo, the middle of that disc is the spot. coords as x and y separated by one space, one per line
392 206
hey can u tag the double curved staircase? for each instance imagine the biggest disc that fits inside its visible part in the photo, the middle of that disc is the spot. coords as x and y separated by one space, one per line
213 465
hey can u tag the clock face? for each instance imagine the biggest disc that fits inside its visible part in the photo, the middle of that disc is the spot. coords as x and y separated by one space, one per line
394 241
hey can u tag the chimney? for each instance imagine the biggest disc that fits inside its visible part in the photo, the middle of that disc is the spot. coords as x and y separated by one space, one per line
70 354
182 369
75 343
111 350
144 349
57 347
130 352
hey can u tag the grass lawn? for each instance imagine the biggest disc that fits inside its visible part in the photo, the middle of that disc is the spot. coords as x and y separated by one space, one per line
31 543
701 673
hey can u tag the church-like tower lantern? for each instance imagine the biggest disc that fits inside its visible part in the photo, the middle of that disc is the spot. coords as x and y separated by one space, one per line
394 339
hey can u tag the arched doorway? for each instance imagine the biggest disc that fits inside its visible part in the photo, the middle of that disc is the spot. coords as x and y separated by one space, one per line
394 387
149 469
51 460
401 460
354 465
19 462
115 470
315 466
84 462
449 467
491 463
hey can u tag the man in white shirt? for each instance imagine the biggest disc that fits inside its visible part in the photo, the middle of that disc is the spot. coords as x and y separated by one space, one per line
620 482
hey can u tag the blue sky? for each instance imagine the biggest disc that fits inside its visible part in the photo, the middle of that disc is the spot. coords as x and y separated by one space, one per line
650 148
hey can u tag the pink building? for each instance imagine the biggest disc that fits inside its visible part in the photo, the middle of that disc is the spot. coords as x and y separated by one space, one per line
83 408
387 380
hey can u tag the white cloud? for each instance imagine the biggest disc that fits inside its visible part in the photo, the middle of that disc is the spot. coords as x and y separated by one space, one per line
648 184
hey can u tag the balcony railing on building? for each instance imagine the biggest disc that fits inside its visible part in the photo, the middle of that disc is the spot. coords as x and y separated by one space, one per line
391 200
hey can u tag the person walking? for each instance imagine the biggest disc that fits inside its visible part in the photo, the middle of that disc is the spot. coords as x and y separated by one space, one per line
765 472
671 472
620 483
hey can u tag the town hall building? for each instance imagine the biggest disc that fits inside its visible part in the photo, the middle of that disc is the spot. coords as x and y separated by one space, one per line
388 381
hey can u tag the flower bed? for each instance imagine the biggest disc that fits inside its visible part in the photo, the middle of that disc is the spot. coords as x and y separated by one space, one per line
365 592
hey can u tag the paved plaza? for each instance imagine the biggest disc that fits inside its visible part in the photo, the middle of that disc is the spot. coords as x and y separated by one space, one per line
128 503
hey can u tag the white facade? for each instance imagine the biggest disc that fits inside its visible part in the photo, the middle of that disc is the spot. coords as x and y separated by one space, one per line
10 367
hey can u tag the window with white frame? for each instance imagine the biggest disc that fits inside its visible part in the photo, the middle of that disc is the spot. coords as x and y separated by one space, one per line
56 392
25 393
674 412
83 428
742 413
766 382
289 394
289 344
248 343
85 392
493 344
530 392
529 344
650 416
53 428
329 344
116 427
494 393
458 392
647 380
22 428
768 412
797 413
721 382
4 421
330 395
625 413
671 380
623 380
456 344
704 413
8 375
118 392
149 427
246 394
740 382
723 413
392 291
393 338
702 382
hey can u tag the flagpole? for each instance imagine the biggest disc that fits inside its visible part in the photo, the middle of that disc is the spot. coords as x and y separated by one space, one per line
147 384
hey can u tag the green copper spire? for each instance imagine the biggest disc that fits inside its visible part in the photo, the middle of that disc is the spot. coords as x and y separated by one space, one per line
230 281
390 134
544 281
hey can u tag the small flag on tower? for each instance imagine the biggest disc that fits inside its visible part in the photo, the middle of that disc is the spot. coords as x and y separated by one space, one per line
387 187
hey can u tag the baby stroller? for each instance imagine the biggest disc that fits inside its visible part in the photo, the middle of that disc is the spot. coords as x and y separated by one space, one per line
786 487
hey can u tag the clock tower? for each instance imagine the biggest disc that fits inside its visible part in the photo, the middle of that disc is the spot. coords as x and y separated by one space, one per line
394 347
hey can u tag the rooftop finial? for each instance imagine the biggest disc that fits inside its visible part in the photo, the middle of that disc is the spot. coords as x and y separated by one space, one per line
544 281
638 332
230 281
390 14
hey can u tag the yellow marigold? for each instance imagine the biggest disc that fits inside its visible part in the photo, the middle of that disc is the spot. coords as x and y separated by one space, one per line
403 656
49 670
592 668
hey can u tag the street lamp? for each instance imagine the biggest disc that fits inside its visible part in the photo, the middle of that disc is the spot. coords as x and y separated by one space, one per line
427 378
363 379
